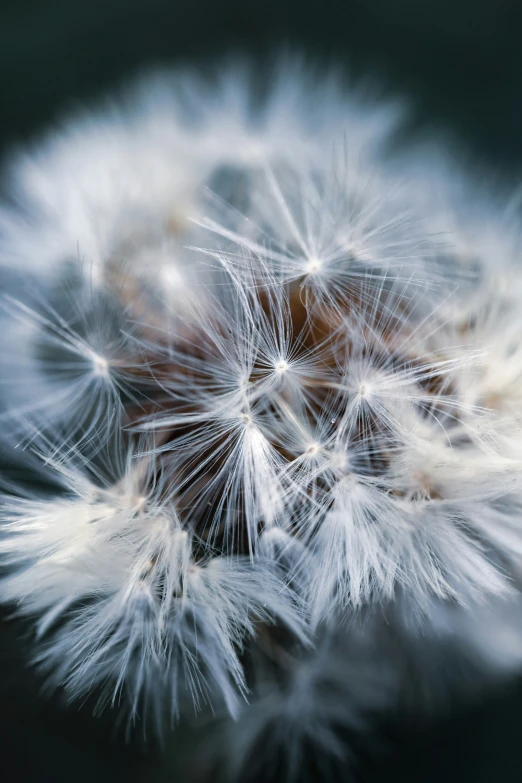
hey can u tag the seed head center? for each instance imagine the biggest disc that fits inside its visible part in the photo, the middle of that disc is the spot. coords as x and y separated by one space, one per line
313 266
101 366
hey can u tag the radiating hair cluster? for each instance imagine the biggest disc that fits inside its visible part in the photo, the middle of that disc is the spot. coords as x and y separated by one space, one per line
261 389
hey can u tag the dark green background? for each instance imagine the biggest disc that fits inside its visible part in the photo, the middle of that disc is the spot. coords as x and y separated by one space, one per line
460 63
459 59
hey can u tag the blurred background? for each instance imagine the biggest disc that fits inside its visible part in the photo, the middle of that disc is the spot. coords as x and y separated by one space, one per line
459 62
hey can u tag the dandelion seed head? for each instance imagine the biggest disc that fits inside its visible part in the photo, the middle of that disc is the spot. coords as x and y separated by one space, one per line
266 400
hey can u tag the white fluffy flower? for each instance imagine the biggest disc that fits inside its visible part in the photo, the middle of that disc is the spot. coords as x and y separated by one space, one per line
329 426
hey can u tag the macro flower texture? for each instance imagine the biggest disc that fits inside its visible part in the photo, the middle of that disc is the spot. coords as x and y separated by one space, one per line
261 387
